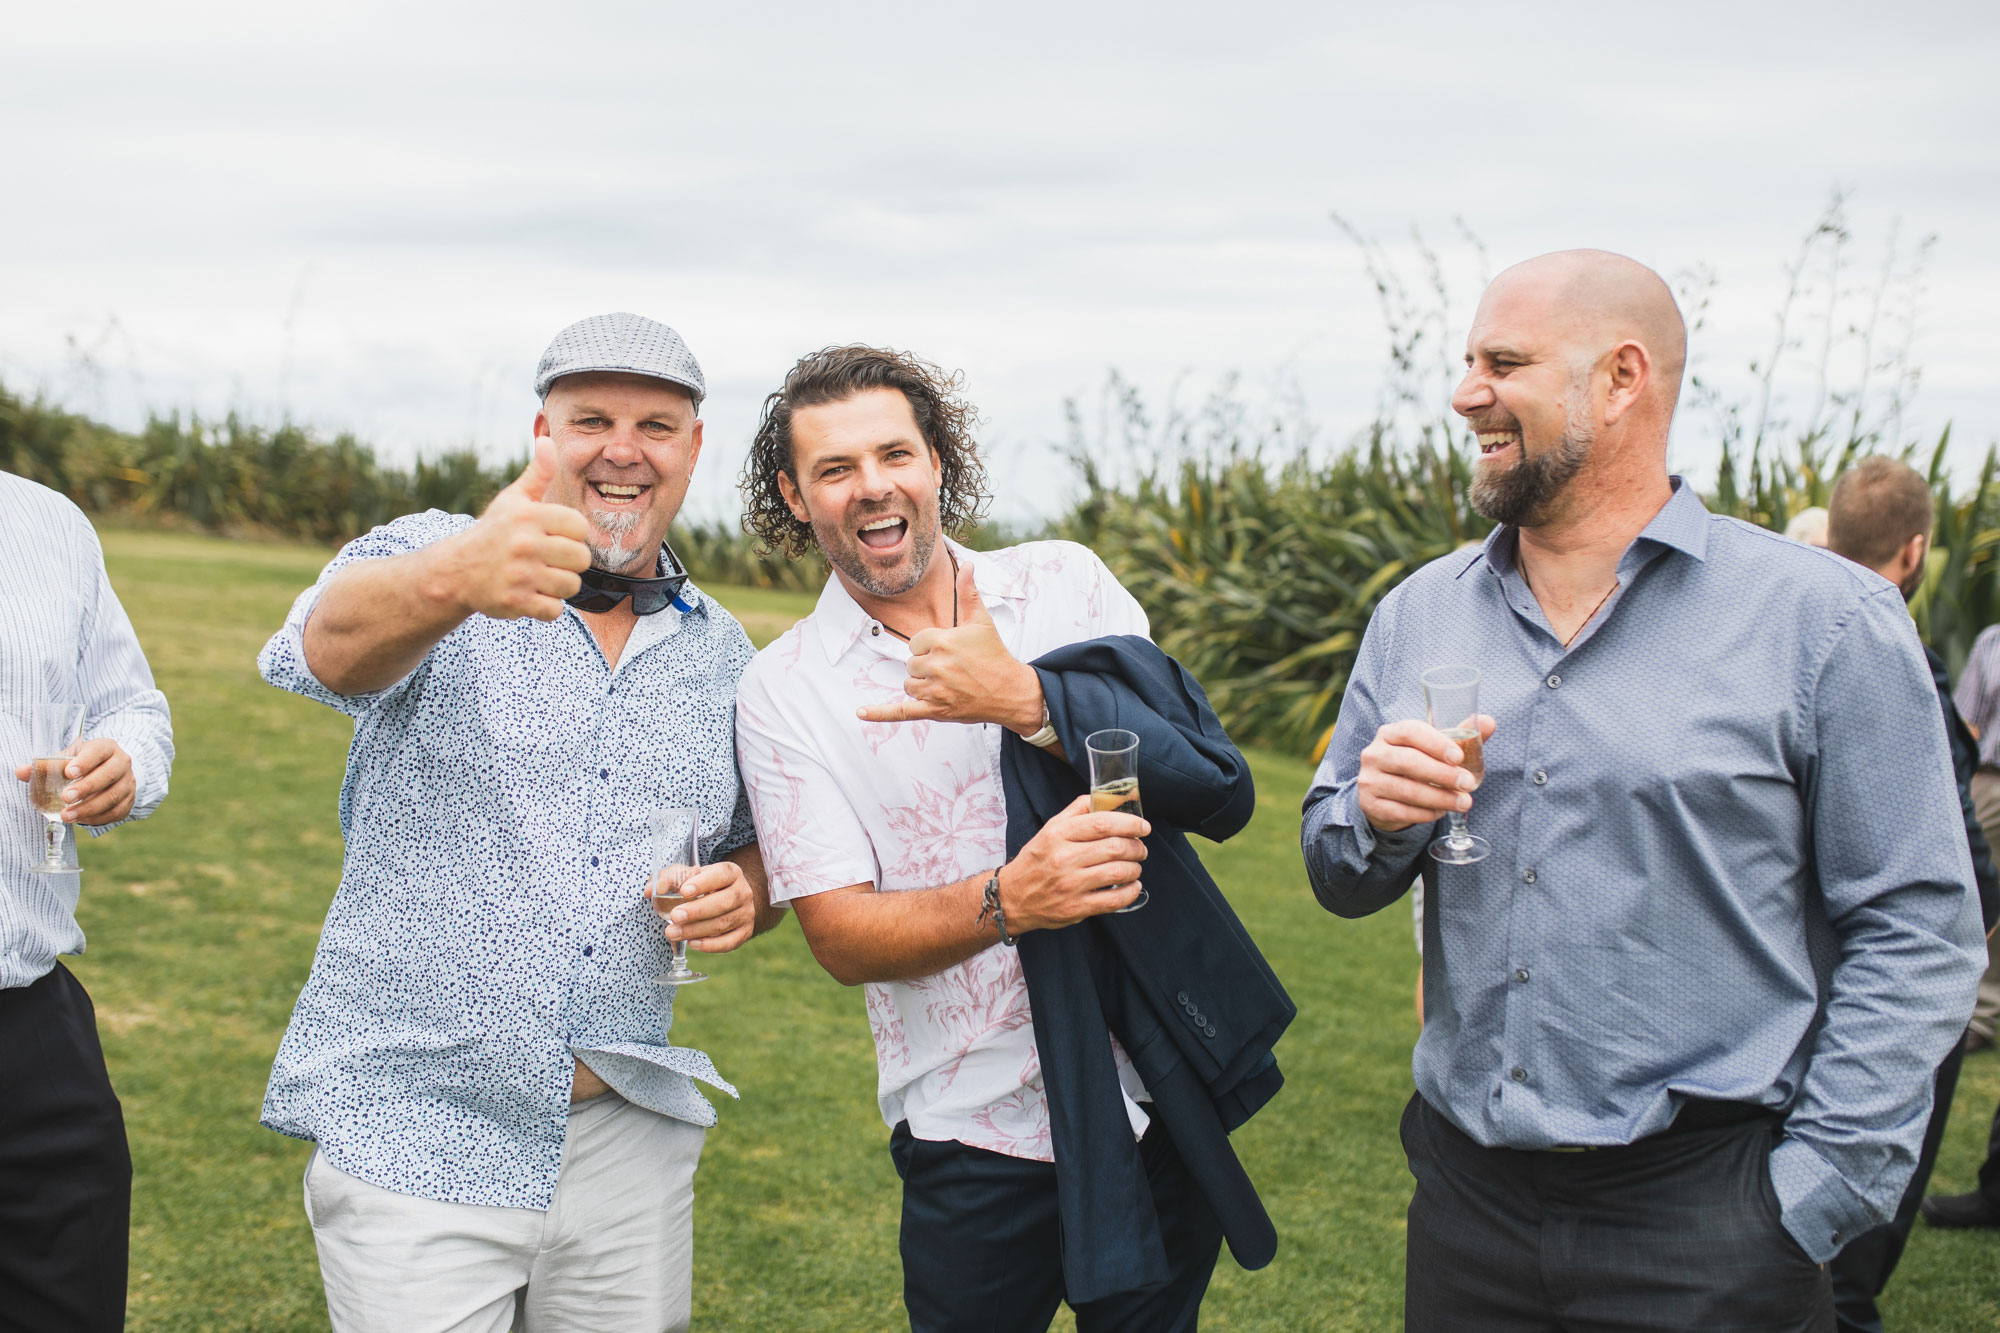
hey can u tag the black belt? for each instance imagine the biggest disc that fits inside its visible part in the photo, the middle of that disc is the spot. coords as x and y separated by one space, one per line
1695 1115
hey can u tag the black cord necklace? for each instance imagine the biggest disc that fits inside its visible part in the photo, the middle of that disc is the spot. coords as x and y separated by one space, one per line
954 601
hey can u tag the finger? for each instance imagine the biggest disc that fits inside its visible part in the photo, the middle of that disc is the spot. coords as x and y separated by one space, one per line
533 483
1088 827
733 939
557 583
1384 813
1402 761
108 808
544 608
1112 899
96 779
971 611
1419 795
705 881
1422 737
924 641
1106 850
23 771
88 755
563 522
1487 726
706 917
900 710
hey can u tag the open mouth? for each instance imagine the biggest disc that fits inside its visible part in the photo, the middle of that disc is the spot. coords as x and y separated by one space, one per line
617 494
883 534
1492 442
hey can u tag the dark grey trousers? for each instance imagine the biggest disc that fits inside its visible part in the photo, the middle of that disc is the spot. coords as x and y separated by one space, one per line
1679 1231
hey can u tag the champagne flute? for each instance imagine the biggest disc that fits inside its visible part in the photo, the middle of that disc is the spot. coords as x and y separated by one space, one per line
1114 781
1451 704
53 732
676 856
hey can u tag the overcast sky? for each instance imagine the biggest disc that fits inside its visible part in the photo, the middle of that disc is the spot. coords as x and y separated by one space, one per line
372 217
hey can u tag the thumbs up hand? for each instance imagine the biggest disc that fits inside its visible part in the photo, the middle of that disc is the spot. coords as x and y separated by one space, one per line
965 674
524 554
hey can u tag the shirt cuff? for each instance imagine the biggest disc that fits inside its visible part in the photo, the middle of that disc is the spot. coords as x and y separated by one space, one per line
1818 1206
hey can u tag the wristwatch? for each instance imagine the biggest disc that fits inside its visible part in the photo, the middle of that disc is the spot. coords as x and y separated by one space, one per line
1046 737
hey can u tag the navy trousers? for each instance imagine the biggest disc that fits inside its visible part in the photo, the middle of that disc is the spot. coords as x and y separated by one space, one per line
1678 1231
982 1243
65 1173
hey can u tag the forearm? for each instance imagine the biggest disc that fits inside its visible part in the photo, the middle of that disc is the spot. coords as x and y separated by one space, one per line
751 861
861 935
376 620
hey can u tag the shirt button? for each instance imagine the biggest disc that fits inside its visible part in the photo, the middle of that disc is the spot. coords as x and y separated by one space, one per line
1518 1074
593 860
1541 778
603 772
1555 682
874 629
1836 1238
1520 974
586 950
1527 876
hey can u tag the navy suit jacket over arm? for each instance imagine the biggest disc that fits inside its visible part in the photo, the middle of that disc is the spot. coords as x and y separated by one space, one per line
1179 982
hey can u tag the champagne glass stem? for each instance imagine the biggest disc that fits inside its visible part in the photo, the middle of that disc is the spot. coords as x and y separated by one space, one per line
52 840
1459 835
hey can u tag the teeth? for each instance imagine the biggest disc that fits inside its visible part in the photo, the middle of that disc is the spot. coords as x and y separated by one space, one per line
618 492
1495 439
880 523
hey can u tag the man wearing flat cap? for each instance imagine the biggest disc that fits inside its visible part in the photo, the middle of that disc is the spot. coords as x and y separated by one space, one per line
505 1138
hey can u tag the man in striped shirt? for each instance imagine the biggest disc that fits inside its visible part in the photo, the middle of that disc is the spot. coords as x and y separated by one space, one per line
65 1173
1978 700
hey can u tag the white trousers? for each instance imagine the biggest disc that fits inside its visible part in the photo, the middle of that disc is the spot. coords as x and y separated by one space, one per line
613 1254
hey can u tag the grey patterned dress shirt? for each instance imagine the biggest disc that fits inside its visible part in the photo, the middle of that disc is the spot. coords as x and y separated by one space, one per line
1727 860
490 922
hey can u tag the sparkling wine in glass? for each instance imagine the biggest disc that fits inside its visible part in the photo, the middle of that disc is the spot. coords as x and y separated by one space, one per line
1451 704
1114 781
53 732
676 856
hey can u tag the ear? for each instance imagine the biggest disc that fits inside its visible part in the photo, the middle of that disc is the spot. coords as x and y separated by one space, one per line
694 446
794 501
542 422
1630 368
937 466
1915 552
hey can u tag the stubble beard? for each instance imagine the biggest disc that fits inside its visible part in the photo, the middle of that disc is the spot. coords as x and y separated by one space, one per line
1526 494
845 552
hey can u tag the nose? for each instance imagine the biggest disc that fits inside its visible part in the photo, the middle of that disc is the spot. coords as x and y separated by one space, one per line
623 447
1473 393
874 479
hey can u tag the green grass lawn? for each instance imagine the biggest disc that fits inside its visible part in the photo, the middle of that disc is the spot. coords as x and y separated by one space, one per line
202 923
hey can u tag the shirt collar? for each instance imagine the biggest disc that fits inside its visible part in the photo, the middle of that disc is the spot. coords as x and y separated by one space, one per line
840 620
1681 524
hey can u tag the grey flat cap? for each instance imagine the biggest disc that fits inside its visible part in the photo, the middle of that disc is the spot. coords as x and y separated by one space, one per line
626 343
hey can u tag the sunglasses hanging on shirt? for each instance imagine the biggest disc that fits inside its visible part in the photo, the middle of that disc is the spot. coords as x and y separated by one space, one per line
603 590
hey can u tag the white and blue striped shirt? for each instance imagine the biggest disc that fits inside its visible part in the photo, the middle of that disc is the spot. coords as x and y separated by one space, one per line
63 635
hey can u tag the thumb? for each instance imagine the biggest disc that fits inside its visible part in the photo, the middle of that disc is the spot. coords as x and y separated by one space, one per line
971 611
1486 726
533 483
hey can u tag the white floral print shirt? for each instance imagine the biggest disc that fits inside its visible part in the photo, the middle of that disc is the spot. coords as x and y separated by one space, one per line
913 805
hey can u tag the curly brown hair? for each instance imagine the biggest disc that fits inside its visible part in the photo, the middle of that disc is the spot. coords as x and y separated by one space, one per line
833 375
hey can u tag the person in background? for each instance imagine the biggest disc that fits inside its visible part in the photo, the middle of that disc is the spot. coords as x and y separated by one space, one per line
1681 1021
1978 699
65 1170
1808 527
505 1134
1880 516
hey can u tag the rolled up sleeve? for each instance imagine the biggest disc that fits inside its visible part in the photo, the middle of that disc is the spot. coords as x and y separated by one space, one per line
120 700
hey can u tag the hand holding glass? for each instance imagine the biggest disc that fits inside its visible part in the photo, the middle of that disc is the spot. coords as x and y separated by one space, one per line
1451 704
1114 781
54 731
676 856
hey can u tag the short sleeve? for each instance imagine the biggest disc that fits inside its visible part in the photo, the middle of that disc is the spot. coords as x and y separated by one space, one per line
1119 610
283 661
810 836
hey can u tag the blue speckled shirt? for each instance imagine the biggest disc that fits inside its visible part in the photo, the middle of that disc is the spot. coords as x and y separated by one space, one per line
489 923
1727 859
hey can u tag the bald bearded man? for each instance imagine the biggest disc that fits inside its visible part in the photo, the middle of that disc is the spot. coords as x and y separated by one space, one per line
1682 1016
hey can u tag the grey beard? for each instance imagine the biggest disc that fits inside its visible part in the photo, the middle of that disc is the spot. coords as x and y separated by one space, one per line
1525 495
622 549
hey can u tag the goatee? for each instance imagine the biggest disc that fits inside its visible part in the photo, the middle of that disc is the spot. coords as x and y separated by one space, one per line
1525 494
